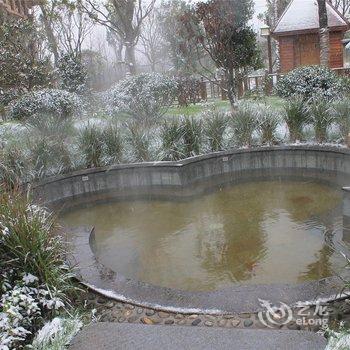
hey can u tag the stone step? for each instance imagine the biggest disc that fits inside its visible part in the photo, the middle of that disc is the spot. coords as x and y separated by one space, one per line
114 336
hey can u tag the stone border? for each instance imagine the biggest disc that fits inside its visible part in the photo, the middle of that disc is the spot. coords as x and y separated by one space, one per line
164 178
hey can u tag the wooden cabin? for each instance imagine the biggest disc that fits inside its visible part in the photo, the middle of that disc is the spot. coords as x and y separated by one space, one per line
18 8
298 36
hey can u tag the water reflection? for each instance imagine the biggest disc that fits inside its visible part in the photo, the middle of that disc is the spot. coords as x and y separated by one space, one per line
261 232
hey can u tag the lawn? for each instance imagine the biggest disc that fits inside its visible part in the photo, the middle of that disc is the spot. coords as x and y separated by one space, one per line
196 109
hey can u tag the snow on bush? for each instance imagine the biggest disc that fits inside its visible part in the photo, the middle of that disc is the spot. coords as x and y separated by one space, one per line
51 101
72 74
145 97
310 81
57 333
24 304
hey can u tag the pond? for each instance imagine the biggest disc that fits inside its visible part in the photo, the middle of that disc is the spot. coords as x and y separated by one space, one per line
261 232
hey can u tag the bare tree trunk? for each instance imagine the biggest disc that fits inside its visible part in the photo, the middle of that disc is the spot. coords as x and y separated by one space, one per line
231 87
50 35
324 33
130 59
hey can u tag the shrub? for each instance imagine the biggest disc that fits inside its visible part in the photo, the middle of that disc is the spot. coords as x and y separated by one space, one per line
139 139
34 279
72 74
90 141
215 124
309 81
145 97
48 156
296 117
189 90
113 144
192 135
13 167
244 122
268 122
341 114
171 135
321 118
60 103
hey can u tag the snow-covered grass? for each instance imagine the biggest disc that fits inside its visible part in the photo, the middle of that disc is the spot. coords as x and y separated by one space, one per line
57 334
35 281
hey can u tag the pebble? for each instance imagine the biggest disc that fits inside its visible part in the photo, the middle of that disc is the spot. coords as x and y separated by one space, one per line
244 315
139 311
235 322
132 319
127 313
147 320
196 322
222 323
110 304
248 323
209 323
121 319
163 314
150 312
129 307
293 326
116 312
179 316
169 322
229 316
192 317
181 322
100 301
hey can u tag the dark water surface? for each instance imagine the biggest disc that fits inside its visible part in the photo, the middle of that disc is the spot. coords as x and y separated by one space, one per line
261 232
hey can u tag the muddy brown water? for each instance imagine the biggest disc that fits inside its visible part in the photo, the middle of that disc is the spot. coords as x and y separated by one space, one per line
254 232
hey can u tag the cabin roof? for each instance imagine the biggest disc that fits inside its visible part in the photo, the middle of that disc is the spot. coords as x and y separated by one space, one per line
302 15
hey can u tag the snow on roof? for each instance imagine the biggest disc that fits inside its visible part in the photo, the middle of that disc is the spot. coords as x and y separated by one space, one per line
303 15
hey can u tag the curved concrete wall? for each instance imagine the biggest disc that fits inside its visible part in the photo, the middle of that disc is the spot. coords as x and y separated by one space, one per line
194 175
186 178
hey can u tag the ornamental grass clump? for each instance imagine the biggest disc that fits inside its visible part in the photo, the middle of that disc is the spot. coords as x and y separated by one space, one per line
244 123
13 167
36 282
90 143
171 134
215 126
296 116
268 123
139 139
192 135
321 118
341 114
113 144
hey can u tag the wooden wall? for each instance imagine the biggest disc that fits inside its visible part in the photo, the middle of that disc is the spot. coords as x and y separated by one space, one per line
304 49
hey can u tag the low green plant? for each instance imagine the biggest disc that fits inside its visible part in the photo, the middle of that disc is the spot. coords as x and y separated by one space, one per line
29 242
47 124
341 114
244 122
321 118
296 117
192 135
139 139
90 142
13 167
57 334
215 125
171 135
268 120
113 144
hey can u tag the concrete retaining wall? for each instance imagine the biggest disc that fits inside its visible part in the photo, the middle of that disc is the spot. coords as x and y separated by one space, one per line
194 175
